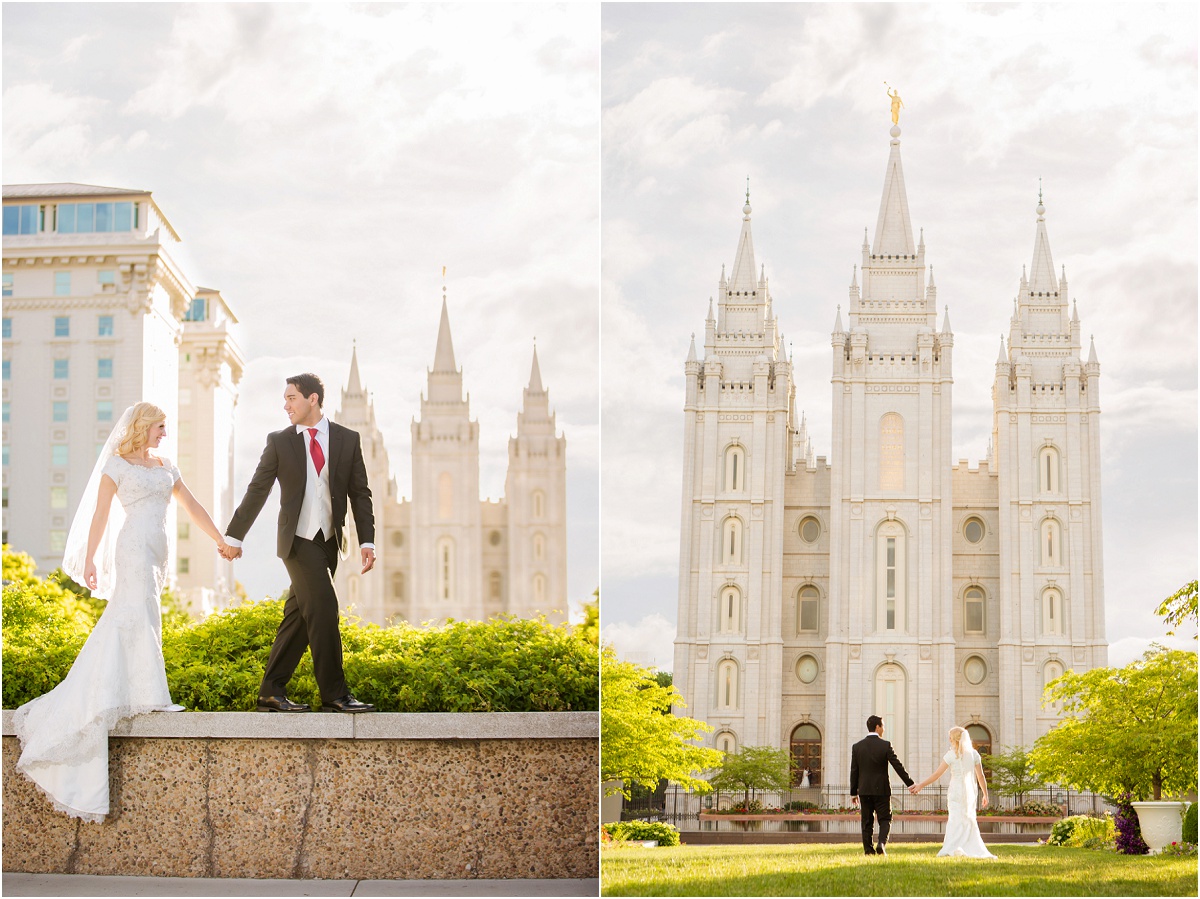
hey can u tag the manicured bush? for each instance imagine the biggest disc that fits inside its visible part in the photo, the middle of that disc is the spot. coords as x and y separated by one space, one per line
666 834
1189 825
800 805
216 665
1062 830
1040 810
1093 833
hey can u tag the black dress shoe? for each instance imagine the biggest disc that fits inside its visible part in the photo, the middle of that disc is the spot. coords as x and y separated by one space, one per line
279 704
868 851
347 704
881 849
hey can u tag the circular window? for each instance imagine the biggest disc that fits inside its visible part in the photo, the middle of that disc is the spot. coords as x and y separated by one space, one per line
397 538
973 530
806 669
810 529
975 670
494 538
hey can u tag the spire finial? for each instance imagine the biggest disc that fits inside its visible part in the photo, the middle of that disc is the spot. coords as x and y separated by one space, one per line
746 208
1041 208
747 188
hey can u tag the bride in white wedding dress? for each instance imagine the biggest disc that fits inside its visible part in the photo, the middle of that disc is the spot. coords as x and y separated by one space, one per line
119 551
966 770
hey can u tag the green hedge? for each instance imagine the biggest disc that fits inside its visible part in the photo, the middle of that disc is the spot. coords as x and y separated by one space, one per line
1189 824
216 665
666 834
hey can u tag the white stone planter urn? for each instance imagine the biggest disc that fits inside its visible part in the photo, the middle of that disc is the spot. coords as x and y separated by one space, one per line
1161 823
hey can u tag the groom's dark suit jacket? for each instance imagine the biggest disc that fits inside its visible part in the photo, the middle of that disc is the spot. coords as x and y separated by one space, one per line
284 460
869 760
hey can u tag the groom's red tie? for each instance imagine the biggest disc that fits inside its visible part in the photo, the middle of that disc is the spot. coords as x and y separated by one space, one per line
314 448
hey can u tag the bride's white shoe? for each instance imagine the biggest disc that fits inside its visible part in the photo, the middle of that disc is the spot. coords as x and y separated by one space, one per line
173 707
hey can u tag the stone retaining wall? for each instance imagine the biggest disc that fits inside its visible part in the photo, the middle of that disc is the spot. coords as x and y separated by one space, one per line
369 797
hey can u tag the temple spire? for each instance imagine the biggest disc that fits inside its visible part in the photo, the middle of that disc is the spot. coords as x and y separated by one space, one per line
893 230
535 375
743 279
354 387
443 357
1041 276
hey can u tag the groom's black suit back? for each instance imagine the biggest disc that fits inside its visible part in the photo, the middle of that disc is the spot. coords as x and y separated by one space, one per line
869 760
284 459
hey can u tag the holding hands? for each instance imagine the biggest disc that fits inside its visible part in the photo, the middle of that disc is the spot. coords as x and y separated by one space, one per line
228 553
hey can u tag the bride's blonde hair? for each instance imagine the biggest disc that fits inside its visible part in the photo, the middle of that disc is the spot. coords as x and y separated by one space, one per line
956 739
136 436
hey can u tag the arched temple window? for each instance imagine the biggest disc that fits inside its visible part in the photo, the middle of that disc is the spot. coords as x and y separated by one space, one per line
1048 469
727 685
731 611
735 469
731 541
808 609
891 452
890 576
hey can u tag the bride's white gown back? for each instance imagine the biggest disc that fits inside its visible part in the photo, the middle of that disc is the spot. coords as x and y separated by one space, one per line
962 830
119 672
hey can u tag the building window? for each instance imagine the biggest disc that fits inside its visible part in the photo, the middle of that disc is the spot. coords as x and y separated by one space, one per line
1051 543
104 368
104 411
727 685
445 495
890 576
975 670
806 755
7 411
539 547
891 452
735 469
726 742
105 328
184 565
731 611
59 411
86 218
981 739
397 539
539 504
4 502
445 568
183 530
539 588
197 311
62 326
8 292
807 669
22 219
731 542
7 320
6 454
1052 613
891 704
106 278
809 609
62 369
58 497
494 585
1053 671
810 529
973 611
973 530
398 585
494 538
7 369
62 288
58 454
58 541
1048 469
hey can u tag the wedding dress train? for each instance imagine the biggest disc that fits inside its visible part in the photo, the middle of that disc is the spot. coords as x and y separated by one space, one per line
962 830
119 672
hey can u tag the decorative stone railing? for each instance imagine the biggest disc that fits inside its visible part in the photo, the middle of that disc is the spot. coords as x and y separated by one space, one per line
366 797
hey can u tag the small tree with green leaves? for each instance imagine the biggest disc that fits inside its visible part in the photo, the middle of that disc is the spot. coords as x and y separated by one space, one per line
1126 730
1011 774
641 741
752 768
1180 608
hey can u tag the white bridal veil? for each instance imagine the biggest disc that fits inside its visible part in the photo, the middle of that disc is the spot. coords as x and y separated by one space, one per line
75 554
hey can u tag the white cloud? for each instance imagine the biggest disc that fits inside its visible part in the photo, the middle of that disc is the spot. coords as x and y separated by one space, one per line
650 642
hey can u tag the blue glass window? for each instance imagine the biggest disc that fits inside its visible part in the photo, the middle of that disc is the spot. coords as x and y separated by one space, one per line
104 217
85 217
59 411
62 368
66 218
7 369
198 311
58 454
62 284
6 462
62 326
103 410
12 219
103 368
122 216
82 218
106 326
7 327
21 219
6 411
8 284
106 276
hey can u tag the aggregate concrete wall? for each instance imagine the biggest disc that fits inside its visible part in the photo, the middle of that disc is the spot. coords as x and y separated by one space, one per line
380 796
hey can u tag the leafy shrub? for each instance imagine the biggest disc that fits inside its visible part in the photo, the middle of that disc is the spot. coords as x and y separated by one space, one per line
1093 833
1040 810
216 665
1189 825
1129 829
800 805
1062 830
666 834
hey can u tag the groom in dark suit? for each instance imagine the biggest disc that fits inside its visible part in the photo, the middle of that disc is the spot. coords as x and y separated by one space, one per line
319 466
869 760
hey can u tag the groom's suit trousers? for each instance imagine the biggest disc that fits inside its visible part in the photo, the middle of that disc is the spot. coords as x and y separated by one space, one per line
881 808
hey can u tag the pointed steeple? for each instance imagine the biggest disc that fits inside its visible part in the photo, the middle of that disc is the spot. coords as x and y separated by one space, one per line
535 374
691 356
1092 358
1003 357
893 230
443 357
1042 280
837 322
946 322
743 278
354 387
854 279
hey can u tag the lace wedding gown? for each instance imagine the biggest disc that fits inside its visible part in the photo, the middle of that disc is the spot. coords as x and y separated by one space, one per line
119 672
962 830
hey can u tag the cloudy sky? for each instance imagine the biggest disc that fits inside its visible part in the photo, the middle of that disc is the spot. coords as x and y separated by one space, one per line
1098 101
322 163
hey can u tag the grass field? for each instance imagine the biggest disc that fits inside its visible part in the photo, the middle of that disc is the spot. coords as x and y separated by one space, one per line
908 870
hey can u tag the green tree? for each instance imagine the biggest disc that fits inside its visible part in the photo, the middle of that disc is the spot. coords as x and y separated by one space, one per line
641 740
1011 773
752 768
1130 729
589 628
1179 608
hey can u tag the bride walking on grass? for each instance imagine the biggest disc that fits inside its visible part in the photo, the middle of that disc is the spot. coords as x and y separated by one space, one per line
119 551
966 771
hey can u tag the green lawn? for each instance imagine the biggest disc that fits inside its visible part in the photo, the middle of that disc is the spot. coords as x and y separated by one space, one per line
910 869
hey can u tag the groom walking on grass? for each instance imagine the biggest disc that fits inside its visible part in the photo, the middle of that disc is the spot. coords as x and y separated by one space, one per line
869 782
319 466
